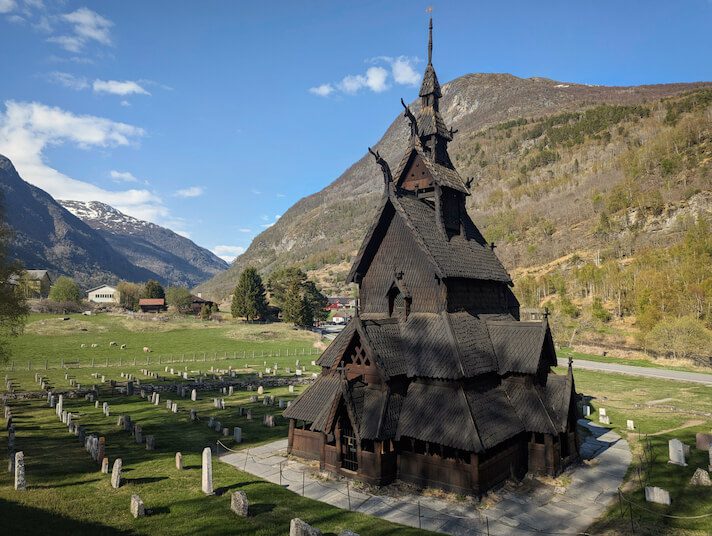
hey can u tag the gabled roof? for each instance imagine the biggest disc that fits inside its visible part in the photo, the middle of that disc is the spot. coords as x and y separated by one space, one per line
152 301
431 122
444 175
450 415
101 286
522 346
559 390
466 255
315 404
35 275
528 402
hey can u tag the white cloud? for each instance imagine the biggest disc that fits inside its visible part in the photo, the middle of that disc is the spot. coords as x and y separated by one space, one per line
125 103
68 80
192 191
323 90
375 79
118 87
404 72
6 6
228 253
245 230
270 224
255 191
28 128
122 176
86 26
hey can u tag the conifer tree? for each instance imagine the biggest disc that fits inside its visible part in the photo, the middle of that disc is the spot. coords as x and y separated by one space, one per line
248 300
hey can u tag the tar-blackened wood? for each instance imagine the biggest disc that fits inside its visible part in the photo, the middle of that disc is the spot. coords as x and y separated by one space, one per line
435 381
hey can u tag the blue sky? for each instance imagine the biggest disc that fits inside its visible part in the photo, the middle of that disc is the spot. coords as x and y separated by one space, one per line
213 118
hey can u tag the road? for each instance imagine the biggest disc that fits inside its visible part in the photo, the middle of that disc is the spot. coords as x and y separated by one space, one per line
648 372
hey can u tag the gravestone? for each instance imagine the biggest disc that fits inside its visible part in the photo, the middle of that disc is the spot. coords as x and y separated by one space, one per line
138 434
657 495
150 442
630 425
248 414
207 476
602 411
291 388
157 400
105 466
193 415
239 503
282 403
218 426
700 478
137 507
703 441
179 460
96 404
297 527
604 419
230 390
100 449
116 474
677 452
194 395
20 483
174 407
253 398
260 390
226 432
586 410
211 422
237 434
129 388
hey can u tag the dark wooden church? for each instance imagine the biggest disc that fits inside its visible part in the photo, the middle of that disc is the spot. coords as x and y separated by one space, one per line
435 381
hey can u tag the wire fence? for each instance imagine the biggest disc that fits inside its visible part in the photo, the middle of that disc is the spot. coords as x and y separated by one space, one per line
162 359
427 517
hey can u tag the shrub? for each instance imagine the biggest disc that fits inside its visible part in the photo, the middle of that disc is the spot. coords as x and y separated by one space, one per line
598 311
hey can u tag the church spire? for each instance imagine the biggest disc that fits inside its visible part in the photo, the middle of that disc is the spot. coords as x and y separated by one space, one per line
430 42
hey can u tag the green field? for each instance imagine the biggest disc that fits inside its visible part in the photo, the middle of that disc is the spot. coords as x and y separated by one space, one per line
67 493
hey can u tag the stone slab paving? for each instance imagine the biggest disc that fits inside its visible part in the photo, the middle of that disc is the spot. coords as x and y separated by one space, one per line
593 487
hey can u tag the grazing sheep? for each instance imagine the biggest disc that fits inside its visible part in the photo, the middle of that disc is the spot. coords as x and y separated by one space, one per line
146 349
112 343
123 347
84 345
95 345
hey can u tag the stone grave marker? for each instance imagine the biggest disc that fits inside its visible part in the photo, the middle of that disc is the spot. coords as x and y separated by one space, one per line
116 474
237 434
137 507
226 432
207 473
676 452
700 478
20 483
179 460
260 390
239 503
194 395
703 441
150 442
630 425
193 415
602 411
105 466
297 527
586 410
657 495
604 419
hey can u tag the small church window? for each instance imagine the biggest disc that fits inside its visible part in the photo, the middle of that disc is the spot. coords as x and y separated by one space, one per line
398 305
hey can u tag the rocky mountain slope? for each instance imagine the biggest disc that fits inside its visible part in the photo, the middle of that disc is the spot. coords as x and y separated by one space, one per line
534 194
174 258
47 236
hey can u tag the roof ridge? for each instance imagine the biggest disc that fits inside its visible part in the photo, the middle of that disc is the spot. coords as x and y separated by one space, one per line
453 339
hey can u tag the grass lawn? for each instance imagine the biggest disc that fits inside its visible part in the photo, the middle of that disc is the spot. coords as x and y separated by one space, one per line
678 410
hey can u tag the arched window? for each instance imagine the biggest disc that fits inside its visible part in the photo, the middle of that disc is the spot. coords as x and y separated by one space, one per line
398 304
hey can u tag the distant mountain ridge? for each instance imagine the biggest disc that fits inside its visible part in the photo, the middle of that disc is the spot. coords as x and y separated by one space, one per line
95 243
174 258
321 232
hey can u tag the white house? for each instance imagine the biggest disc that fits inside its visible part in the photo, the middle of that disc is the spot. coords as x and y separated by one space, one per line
103 294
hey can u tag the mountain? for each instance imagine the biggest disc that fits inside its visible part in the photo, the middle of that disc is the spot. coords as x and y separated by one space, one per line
536 192
47 236
174 258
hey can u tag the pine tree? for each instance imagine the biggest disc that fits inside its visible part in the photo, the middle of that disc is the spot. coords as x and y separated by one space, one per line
305 318
292 303
248 300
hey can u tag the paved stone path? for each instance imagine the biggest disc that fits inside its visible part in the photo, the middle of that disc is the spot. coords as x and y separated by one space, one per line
648 372
541 510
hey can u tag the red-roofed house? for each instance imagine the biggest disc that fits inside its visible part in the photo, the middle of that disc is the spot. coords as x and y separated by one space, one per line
152 305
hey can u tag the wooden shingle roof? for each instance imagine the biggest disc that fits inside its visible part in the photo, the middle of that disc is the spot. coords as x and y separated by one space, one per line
315 404
521 346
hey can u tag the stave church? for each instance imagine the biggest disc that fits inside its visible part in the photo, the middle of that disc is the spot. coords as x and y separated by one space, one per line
435 381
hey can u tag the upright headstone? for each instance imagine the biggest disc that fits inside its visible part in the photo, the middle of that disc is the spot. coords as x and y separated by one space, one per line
105 466
116 474
237 434
157 399
150 442
604 419
100 449
230 390
137 507
677 452
20 483
630 425
194 395
657 495
239 503
193 415
701 478
207 477
174 407
138 434
291 388
179 460
703 441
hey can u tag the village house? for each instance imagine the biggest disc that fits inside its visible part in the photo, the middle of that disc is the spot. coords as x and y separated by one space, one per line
103 294
152 305
35 284
339 302
435 381
197 303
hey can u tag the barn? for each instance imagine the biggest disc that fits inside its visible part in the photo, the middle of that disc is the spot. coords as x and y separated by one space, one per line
103 294
436 381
